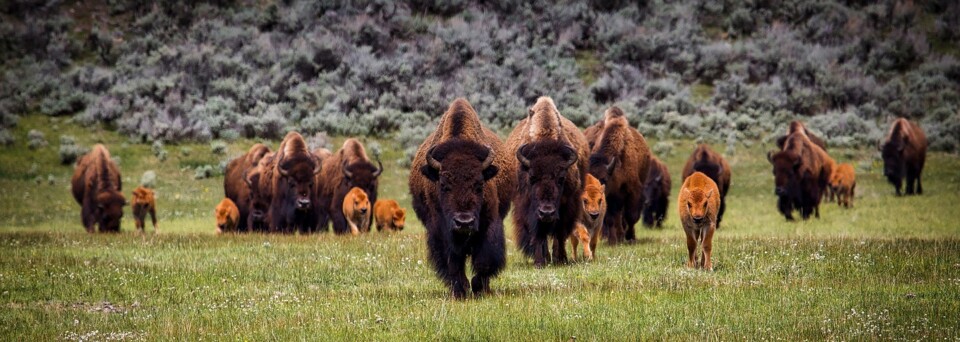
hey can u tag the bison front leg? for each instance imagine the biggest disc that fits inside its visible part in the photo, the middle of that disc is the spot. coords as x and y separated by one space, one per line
559 251
540 252
708 249
153 217
691 248
457 276
489 257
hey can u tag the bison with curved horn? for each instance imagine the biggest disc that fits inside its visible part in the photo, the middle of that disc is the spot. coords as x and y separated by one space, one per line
348 168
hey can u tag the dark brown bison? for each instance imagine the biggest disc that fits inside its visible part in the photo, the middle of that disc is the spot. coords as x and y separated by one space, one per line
797 126
801 171
904 151
553 163
235 186
656 194
96 187
293 184
620 159
258 182
712 164
348 168
461 181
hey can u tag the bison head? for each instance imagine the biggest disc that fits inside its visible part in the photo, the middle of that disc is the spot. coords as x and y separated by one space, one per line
893 161
653 189
543 172
786 170
696 203
362 175
359 202
399 218
593 193
460 169
109 210
298 174
602 166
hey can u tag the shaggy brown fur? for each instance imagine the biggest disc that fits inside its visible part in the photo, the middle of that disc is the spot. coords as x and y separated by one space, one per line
904 152
228 216
591 218
656 194
349 167
258 179
797 126
698 205
593 132
144 203
712 164
620 159
553 162
292 186
235 186
801 171
96 187
461 181
844 181
356 209
389 215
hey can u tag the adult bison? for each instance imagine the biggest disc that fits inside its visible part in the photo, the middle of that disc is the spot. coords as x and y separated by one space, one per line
553 163
620 159
293 205
96 187
797 126
705 160
235 186
656 194
461 181
348 168
904 151
258 180
801 171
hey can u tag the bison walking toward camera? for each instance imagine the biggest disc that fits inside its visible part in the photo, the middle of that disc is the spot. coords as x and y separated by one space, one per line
236 187
356 209
699 202
348 168
705 160
590 222
552 155
656 194
144 202
620 160
293 204
801 171
904 152
462 180
96 187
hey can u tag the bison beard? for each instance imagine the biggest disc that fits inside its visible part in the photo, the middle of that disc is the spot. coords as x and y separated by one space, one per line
547 203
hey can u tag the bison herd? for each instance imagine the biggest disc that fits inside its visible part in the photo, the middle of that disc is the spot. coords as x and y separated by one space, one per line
562 183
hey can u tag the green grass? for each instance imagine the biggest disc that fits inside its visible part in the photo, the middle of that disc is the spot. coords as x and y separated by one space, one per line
886 269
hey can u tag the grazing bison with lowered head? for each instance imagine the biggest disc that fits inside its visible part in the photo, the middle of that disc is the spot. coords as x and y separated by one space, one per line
698 206
348 168
904 151
843 181
235 186
144 202
356 209
553 162
461 181
620 159
228 216
590 222
96 187
705 160
800 171
797 126
656 194
389 215
292 186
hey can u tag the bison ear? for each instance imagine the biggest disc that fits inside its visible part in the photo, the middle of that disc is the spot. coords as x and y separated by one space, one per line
709 193
490 172
432 174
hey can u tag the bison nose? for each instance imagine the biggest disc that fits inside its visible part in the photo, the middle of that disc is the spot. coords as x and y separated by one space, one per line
463 220
698 220
221 226
779 191
303 203
594 216
547 209
363 210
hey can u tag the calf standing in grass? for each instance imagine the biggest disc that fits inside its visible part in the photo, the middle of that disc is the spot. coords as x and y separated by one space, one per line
228 216
356 209
843 181
587 230
698 204
389 215
144 203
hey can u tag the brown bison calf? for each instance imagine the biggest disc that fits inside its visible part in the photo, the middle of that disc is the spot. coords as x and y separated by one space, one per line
96 187
228 216
389 215
710 163
904 152
843 181
587 231
144 203
356 209
698 204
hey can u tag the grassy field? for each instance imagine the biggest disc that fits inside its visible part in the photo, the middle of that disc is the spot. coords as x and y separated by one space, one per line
886 269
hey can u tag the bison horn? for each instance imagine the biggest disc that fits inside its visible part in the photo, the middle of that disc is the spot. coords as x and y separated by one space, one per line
613 161
487 162
379 168
283 171
523 159
345 171
573 157
435 164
